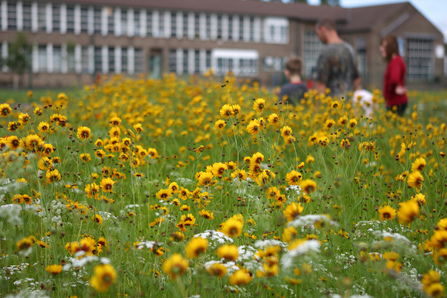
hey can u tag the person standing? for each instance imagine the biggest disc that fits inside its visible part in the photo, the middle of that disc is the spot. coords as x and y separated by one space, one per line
394 90
336 66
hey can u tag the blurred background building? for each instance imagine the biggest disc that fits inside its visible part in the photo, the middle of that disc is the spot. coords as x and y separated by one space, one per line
74 42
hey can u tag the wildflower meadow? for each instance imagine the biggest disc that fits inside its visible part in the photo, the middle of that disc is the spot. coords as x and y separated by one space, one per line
211 188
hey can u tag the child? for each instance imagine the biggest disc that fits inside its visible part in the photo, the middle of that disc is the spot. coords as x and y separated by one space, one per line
294 91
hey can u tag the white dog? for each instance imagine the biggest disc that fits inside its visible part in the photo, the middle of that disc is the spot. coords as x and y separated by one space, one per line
365 99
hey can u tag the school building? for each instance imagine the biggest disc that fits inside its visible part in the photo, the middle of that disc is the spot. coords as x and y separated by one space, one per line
71 42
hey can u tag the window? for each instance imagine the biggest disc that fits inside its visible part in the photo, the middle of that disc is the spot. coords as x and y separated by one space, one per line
172 61
124 60
312 49
185 61
224 65
240 62
276 30
252 29
111 58
56 18
274 63
360 46
196 61
185 24
57 59
149 23
136 23
161 24
139 60
41 17
208 26
283 34
3 50
247 67
196 25
173 24
98 59
420 59
110 21
85 60
27 25
241 28
42 58
208 60
262 31
12 15
70 59
401 45
70 19
219 26
230 27
124 23
84 19
97 20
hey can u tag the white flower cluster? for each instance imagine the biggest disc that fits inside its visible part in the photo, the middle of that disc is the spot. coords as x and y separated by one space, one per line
12 213
148 244
295 188
231 266
246 252
345 260
13 269
310 220
75 262
247 255
184 181
106 215
270 242
8 185
57 210
29 294
305 247
396 236
219 237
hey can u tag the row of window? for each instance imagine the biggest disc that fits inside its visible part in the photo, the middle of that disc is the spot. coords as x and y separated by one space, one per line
222 61
64 18
61 59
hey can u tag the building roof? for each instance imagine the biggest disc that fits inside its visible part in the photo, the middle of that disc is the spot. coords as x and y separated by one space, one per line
366 18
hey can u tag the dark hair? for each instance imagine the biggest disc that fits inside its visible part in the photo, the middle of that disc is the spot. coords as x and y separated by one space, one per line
392 47
327 23
294 66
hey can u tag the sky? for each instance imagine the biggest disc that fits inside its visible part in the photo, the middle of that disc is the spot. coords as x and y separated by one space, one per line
434 10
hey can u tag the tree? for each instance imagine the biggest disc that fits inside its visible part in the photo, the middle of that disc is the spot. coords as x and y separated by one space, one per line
330 2
17 60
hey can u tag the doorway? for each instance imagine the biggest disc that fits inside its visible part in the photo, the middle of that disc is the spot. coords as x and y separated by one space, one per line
155 60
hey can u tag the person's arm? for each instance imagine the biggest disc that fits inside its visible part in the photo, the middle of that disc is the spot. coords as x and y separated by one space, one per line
394 79
321 87
357 84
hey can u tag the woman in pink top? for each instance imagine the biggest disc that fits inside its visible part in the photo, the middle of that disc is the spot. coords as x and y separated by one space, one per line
394 90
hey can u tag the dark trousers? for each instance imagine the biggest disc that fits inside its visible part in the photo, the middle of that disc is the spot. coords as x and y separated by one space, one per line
400 109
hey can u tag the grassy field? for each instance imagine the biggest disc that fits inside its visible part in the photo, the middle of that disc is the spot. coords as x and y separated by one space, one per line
174 188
